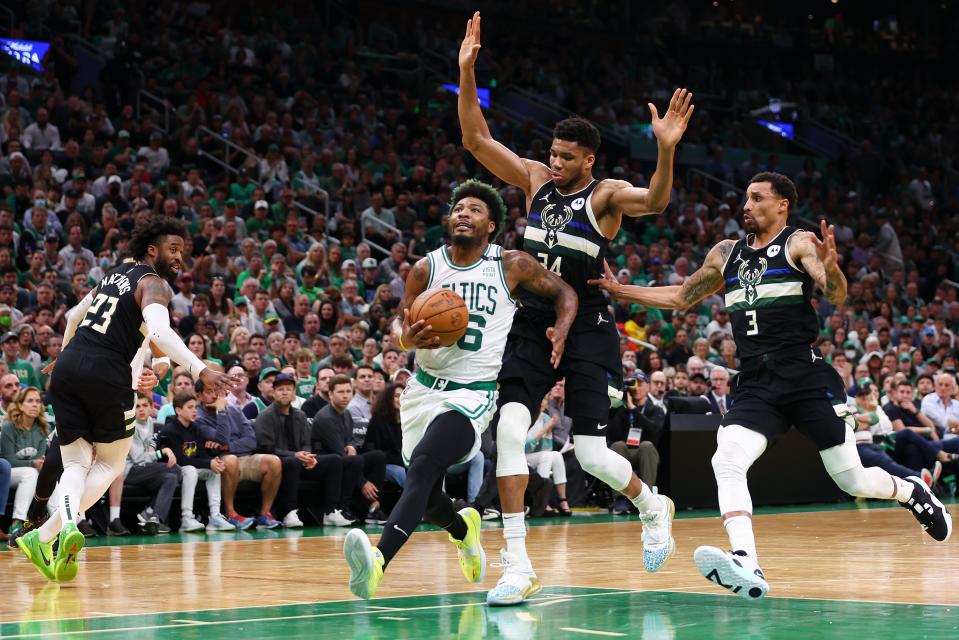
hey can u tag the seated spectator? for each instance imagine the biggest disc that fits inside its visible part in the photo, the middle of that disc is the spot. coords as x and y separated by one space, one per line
23 445
260 402
15 364
385 434
151 469
321 395
285 432
336 431
718 395
697 384
182 383
540 455
941 406
361 404
187 440
238 439
634 431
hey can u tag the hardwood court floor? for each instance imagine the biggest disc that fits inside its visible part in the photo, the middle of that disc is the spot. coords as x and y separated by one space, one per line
849 573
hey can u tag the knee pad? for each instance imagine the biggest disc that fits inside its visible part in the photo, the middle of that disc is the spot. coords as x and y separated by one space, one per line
598 460
737 449
842 457
514 423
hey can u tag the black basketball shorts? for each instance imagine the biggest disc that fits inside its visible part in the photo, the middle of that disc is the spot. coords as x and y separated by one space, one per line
791 387
591 365
92 397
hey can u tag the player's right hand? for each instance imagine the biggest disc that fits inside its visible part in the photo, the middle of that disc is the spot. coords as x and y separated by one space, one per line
220 381
608 282
559 345
47 370
471 42
418 335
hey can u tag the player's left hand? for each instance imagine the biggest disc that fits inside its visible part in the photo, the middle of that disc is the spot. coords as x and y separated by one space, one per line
147 381
220 381
608 282
559 345
47 370
826 248
670 128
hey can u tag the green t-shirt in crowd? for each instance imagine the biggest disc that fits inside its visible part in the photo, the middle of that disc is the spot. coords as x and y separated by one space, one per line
24 371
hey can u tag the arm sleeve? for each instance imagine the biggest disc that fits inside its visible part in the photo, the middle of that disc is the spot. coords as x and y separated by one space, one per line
157 319
74 316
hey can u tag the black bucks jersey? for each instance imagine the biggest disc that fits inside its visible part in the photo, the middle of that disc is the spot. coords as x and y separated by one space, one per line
562 234
114 322
767 297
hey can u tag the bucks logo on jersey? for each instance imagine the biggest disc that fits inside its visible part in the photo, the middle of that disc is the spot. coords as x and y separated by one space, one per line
749 279
554 221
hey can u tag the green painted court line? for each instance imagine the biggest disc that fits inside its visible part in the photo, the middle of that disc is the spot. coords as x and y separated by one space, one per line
588 611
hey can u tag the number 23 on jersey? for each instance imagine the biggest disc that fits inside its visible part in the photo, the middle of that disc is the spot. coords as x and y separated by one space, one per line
100 313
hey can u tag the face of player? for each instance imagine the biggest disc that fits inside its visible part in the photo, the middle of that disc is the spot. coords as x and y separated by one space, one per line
764 208
469 223
169 257
569 163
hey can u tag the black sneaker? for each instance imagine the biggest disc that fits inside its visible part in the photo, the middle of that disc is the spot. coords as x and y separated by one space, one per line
162 529
927 509
376 516
116 528
86 528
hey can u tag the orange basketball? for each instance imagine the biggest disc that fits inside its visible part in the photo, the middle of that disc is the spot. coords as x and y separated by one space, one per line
445 311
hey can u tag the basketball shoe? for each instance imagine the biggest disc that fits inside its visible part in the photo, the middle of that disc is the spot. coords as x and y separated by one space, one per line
516 585
37 552
366 564
67 562
735 571
471 555
926 508
658 543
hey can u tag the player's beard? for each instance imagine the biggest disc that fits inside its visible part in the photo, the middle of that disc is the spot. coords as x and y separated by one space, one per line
165 269
466 242
750 226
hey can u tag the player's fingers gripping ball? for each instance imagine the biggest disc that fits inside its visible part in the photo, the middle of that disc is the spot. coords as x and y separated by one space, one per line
445 311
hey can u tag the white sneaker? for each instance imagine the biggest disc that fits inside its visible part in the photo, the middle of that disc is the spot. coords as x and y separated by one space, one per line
658 543
335 519
219 523
515 585
737 572
189 524
292 521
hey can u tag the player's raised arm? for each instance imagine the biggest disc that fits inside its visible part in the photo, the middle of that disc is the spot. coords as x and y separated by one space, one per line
820 259
502 162
706 280
415 336
636 201
524 271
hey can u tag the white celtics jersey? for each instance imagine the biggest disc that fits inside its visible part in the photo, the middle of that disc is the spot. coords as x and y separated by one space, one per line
478 355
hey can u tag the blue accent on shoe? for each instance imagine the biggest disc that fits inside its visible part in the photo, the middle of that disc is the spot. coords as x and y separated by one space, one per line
265 521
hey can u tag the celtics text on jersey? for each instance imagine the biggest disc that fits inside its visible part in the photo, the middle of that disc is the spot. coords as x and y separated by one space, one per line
478 355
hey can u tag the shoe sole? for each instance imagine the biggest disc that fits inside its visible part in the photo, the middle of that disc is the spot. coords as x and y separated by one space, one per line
359 556
672 542
935 501
71 545
473 521
716 566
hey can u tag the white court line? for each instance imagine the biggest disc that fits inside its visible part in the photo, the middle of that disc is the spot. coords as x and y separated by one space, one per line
391 618
373 606
593 632
182 621
551 601
309 616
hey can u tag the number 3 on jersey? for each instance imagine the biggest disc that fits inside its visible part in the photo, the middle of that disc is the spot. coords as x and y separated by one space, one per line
102 311
753 327
557 265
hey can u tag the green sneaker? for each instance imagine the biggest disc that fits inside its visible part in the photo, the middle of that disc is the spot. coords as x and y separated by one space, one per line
39 553
471 555
366 564
67 562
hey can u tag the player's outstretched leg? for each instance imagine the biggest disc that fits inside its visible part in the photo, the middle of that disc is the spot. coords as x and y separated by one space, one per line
656 512
737 570
928 510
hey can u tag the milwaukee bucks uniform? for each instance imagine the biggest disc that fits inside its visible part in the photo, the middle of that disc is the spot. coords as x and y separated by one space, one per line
784 380
462 377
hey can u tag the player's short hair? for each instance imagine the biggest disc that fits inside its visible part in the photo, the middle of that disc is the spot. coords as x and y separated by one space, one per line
578 130
490 197
782 186
151 231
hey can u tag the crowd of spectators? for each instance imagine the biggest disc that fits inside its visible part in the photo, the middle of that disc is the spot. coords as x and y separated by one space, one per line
336 177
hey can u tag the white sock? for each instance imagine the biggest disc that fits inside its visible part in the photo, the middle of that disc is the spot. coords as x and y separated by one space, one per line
647 501
514 531
903 489
740 532
114 513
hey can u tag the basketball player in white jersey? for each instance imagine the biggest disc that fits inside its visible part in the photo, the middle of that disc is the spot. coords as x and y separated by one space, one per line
452 398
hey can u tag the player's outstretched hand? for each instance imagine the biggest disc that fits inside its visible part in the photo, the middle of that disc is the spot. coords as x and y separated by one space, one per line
608 282
220 381
559 345
670 128
471 42
418 335
148 380
826 248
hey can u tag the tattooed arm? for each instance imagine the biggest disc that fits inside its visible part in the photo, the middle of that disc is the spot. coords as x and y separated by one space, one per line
417 335
525 272
706 280
820 259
